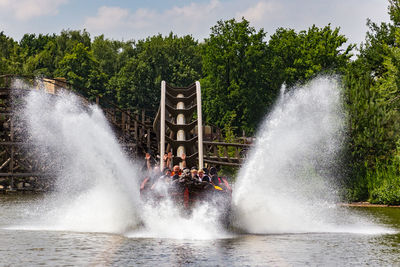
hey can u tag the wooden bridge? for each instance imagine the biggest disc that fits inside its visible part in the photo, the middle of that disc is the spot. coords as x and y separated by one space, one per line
138 133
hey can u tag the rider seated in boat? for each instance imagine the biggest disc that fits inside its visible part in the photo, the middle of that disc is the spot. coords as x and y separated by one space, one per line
176 171
163 181
214 176
203 176
194 174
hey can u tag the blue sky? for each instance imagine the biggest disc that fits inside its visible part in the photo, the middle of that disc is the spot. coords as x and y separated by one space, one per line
137 19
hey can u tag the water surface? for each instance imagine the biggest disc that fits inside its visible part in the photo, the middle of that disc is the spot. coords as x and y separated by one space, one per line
64 248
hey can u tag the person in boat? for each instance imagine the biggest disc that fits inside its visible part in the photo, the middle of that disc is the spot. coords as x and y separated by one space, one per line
200 173
150 173
167 173
176 171
162 183
148 164
203 175
194 174
168 160
214 176
185 177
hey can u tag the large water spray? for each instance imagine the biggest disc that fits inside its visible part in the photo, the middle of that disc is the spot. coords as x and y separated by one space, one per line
96 186
288 182
285 186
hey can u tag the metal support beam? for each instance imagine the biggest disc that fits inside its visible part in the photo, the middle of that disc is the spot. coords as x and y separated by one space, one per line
162 125
199 125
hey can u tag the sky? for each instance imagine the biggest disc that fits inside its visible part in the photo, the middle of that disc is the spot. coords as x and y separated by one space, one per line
138 19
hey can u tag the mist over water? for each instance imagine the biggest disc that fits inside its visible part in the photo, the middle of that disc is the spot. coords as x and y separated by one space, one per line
96 185
288 184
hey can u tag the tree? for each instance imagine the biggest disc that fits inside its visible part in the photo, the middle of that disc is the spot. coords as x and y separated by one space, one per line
81 69
42 63
10 55
67 40
299 57
107 53
236 87
173 59
372 88
32 44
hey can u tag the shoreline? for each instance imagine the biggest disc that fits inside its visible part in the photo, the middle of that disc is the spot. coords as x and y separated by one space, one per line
351 204
368 205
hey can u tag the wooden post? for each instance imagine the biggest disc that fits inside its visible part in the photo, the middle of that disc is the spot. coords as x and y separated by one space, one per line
137 128
11 170
148 138
6 82
97 100
237 152
215 150
136 134
162 124
199 125
142 129
226 152
123 122
128 126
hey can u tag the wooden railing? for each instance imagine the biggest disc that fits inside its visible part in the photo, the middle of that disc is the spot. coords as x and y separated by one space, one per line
228 154
18 164
134 128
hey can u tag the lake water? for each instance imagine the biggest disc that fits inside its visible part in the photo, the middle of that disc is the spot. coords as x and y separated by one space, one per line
22 247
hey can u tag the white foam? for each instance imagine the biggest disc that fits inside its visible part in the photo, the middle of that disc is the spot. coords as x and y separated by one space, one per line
165 220
281 189
96 184
286 185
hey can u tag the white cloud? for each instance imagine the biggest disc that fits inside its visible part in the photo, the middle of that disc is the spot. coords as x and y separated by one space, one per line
194 18
190 17
108 18
197 18
260 11
193 11
28 9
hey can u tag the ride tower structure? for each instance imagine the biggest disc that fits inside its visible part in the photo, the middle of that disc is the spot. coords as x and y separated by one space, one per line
179 123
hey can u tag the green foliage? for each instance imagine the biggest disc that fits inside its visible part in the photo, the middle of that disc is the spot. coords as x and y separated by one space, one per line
297 57
235 83
241 74
10 55
394 12
229 137
111 54
155 59
384 185
32 44
42 63
372 97
81 69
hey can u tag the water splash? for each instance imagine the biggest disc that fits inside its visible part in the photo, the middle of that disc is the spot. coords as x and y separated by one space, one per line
166 221
287 184
96 185
284 186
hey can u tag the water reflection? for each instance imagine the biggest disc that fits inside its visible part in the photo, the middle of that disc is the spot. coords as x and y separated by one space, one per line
32 248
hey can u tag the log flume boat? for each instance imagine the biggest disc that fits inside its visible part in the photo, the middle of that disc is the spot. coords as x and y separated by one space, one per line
188 193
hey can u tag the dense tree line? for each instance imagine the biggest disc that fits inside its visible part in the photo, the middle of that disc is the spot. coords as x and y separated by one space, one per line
241 70
373 103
